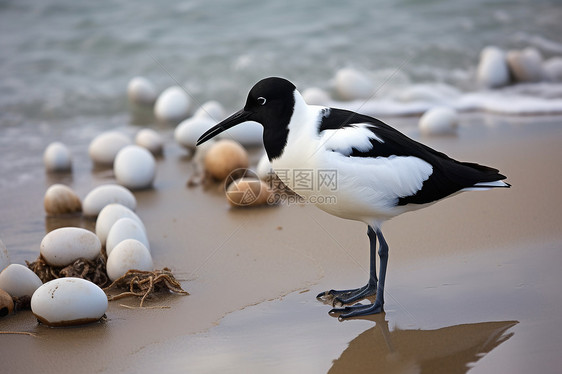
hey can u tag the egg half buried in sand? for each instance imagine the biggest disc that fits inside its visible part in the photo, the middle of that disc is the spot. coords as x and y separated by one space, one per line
68 301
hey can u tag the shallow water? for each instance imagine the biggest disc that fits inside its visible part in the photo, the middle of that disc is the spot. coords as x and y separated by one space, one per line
64 65
63 60
439 319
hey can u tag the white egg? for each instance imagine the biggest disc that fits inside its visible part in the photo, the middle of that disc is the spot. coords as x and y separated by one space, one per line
57 157
60 199
110 214
492 68
4 256
315 96
439 121
525 65
63 246
19 280
172 105
264 170
351 84
125 228
151 140
188 131
104 147
106 194
141 91
211 109
128 255
248 133
68 301
134 167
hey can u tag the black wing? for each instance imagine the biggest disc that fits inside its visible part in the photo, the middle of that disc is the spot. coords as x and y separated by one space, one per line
449 175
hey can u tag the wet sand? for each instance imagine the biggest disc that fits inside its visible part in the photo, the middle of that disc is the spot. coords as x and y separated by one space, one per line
473 281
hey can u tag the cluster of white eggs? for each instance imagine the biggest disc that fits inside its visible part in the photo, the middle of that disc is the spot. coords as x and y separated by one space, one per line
134 164
69 301
118 229
498 68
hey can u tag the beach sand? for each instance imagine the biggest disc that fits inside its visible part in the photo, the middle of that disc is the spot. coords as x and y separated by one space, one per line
473 281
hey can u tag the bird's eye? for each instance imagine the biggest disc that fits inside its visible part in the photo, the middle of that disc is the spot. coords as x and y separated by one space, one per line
261 100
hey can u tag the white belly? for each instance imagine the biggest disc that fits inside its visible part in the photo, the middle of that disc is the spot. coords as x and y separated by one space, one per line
363 189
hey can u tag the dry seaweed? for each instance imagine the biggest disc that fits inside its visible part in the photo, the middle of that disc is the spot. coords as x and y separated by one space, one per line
92 270
143 283
137 283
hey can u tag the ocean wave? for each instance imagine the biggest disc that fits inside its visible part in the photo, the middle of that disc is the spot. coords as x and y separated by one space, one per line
521 99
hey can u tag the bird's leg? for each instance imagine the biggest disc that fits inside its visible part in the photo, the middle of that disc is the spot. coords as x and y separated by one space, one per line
377 306
343 297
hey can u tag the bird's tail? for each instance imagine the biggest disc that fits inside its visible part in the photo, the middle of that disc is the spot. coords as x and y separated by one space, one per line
487 178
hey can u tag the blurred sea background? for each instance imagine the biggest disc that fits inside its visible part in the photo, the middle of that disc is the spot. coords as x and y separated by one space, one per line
65 65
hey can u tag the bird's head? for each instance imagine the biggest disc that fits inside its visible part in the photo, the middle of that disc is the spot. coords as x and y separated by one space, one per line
270 102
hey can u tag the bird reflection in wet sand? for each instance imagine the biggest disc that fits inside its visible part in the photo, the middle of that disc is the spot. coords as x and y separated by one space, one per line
450 350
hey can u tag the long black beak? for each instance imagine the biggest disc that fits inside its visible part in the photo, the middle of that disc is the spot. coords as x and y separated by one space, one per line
235 119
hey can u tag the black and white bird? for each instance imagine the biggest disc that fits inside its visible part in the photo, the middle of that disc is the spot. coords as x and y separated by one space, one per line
379 172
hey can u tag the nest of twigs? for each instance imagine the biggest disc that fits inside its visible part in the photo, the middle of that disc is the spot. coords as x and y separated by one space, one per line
134 283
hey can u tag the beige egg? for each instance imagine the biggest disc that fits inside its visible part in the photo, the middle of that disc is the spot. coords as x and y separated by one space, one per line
247 192
6 303
224 157
60 199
